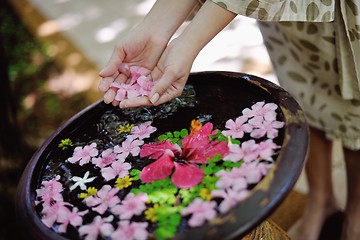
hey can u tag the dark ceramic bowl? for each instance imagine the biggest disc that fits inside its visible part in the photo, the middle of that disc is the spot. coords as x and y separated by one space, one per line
223 95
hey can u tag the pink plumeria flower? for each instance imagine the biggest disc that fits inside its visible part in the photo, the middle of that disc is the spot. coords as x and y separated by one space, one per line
130 206
250 150
235 152
99 226
105 198
49 213
119 168
234 179
145 85
143 130
84 154
254 172
260 110
50 191
66 216
129 146
200 210
131 231
107 157
266 149
230 198
237 128
138 71
125 90
268 128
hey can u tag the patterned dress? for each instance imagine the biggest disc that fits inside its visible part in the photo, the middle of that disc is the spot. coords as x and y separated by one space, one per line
314 46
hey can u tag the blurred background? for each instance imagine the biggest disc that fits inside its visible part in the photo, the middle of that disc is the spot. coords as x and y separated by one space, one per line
51 52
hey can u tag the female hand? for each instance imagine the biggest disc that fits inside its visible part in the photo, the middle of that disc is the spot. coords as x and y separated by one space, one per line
144 46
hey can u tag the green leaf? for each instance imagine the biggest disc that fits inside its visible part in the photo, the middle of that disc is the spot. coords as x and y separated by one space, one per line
177 134
162 137
184 132
169 135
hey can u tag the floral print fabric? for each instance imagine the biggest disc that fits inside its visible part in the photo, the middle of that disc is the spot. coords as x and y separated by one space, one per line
314 46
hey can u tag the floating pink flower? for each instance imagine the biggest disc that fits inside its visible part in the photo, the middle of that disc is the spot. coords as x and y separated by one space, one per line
237 128
66 216
235 153
260 110
143 130
200 210
119 168
129 146
249 150
266 149
105 198
268 128
196 148
84 154
234 179
99 226
230 198
50 191
49 213
131 231
107 157
130 206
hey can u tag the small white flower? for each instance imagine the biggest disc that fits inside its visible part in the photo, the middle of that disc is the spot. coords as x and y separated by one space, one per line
81 181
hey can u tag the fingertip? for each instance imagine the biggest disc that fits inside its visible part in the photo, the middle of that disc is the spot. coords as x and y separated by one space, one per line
155 97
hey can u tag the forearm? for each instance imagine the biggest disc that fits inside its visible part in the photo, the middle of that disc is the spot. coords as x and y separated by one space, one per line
166 16
207 23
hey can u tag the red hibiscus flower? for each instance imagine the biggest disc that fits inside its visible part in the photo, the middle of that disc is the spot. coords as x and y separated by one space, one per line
183 163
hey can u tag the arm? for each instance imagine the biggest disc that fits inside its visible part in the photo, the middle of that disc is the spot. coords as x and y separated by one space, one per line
144 45
175 64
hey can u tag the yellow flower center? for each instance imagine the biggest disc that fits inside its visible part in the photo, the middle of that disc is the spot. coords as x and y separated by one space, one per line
150 213
123 182
125 128
205 194
195 125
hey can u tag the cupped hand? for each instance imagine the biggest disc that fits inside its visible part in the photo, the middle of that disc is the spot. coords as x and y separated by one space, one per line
138 48
169 75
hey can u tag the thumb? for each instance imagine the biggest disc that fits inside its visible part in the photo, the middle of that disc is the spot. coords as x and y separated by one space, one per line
113 64
161 86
